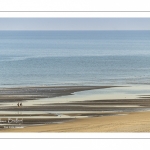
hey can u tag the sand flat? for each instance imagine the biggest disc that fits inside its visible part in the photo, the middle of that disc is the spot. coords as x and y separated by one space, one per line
133 122
100 115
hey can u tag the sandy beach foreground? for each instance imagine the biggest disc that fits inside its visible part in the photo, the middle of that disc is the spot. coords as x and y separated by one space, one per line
133 122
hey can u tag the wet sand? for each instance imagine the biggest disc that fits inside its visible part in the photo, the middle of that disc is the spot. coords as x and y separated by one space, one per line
109 115
30 93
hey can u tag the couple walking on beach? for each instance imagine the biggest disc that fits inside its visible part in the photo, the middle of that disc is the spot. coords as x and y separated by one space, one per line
19 104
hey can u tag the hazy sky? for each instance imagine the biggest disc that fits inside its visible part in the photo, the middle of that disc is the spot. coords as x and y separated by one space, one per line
74 23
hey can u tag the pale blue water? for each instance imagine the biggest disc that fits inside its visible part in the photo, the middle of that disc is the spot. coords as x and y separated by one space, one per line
30 58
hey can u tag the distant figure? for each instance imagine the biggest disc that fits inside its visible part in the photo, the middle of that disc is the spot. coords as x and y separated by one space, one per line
20 104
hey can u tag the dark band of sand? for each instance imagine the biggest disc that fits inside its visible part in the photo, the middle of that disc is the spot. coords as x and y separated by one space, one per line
30 93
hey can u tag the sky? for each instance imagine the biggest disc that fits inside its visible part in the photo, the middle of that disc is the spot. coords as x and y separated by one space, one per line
74 23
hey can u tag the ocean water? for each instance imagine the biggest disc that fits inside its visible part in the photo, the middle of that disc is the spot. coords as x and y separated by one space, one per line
47 58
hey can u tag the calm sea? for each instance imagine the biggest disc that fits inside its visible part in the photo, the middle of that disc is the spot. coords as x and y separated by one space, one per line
31 58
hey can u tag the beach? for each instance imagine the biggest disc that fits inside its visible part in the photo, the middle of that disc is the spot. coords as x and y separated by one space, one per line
71 109
133 122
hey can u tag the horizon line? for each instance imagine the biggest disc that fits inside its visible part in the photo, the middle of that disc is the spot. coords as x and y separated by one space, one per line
81 30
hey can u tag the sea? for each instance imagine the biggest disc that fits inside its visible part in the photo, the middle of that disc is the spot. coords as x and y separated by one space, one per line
74 58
